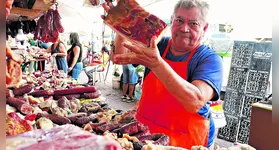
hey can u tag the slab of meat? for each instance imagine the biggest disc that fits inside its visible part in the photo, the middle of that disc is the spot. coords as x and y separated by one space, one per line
13 69
16 125
65 137
13 73
130 20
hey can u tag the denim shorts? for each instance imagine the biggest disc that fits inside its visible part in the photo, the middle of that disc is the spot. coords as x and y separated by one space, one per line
130 75
76 70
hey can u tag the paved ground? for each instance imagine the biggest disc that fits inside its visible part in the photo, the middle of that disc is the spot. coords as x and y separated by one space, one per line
113 97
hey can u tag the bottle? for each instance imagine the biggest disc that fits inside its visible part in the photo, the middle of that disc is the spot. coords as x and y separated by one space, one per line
138 91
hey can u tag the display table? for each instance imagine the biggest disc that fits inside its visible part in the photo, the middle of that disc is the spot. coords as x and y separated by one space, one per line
261 126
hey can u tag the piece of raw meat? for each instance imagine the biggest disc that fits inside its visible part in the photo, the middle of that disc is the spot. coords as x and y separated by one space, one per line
65 137
133 22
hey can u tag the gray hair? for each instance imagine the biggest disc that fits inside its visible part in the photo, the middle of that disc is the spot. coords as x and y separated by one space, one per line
74 38
187 4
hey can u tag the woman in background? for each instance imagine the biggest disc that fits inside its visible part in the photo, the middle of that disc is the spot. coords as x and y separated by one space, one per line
58 50
74 56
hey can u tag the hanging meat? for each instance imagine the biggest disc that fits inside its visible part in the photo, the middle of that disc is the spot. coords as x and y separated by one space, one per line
49 26
9 4
27 27
13 68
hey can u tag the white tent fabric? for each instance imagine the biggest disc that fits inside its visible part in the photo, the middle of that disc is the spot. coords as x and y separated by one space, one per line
249 18
76 17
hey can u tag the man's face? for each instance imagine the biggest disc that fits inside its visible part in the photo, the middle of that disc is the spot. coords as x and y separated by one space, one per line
187 28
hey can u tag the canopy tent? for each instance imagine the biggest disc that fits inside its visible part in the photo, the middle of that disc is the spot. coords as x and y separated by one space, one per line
250 18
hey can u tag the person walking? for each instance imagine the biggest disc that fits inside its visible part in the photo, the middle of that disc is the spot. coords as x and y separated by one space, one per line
58 50
130 78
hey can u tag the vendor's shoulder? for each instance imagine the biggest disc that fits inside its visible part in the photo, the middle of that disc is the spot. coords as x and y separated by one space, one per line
205 52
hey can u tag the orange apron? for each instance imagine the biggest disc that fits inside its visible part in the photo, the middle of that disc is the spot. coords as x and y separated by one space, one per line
162 113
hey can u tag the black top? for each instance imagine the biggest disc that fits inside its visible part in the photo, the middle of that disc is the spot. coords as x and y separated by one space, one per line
71 53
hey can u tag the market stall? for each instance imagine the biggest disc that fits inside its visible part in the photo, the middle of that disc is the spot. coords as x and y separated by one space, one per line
43 101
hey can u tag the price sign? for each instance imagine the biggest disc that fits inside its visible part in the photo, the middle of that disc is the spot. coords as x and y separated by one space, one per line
247 84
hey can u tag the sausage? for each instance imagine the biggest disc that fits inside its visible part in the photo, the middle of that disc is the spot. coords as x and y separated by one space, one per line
63 102
107 127
20 105
92 95
54 118
131 128
77 90
23 98
159 139
9 93
41 93
141 134
95 125
23 89
82 120
69 97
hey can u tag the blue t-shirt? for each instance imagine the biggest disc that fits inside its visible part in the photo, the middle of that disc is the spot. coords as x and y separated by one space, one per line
205 65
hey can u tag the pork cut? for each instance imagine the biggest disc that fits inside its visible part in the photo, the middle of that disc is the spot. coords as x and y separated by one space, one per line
65 137
133 22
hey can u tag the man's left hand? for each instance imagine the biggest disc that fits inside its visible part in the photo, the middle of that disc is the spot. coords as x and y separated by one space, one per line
149 57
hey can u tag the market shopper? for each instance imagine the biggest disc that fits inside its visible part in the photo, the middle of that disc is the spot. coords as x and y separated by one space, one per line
99 63
58 50
41 44
181 77
75 56
130 78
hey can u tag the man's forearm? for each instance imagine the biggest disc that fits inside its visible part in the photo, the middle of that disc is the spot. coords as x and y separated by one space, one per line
186 93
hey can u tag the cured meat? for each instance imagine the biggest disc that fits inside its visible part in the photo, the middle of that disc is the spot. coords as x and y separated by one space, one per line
20 105
77 90
42 93
13 69
92 95
142 133
27 26
107 127
158 139
54 118
69 97
130 20
49 26
9 93
22 90
132 128
82 120
16 125
77 139
57 21
48 21
9 4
